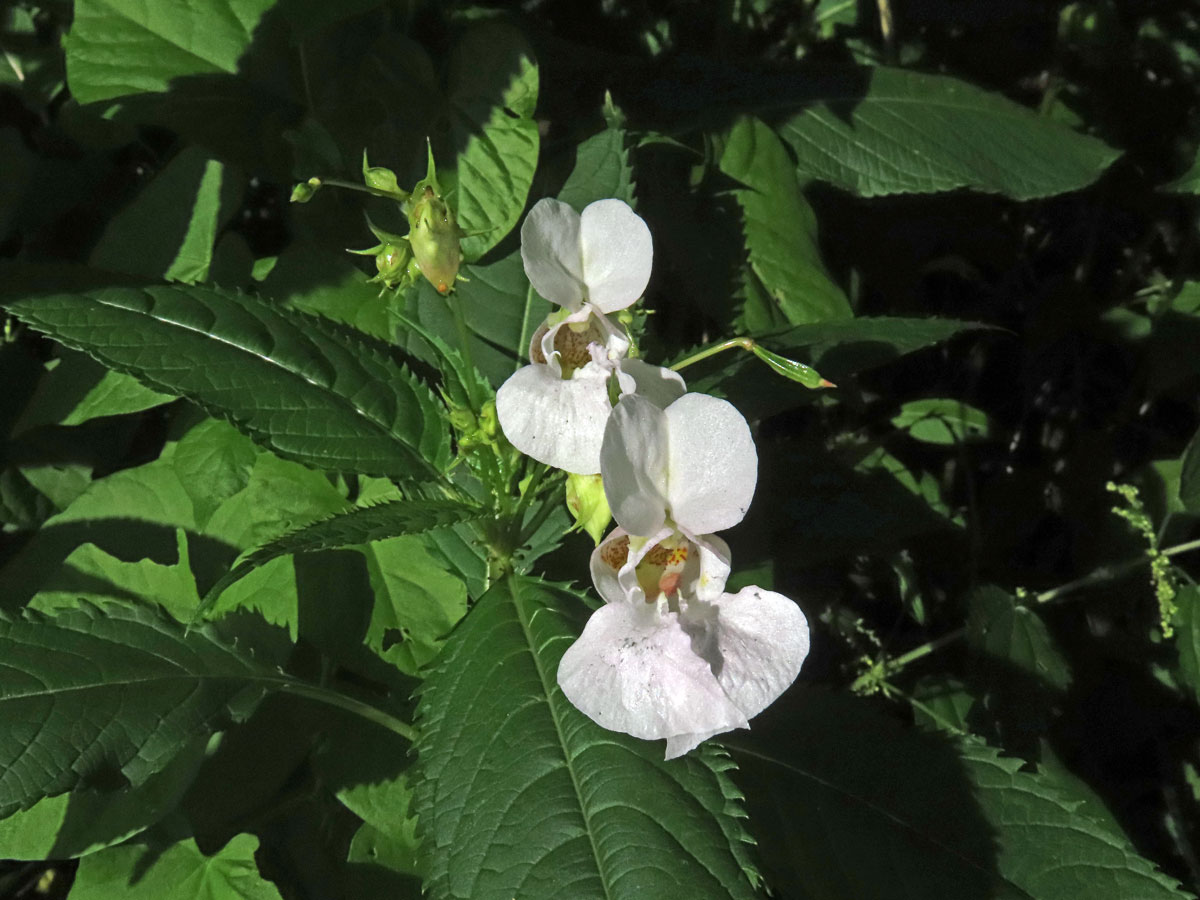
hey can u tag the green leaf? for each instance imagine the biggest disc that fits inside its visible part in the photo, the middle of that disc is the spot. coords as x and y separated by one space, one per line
492 94
90 695
847 803
521 795
1189 475
170 229
180 871
601 169
417 602
501 309
313 278
213 462
355 526
1187 637
85 821
877 130
300 386
942 421
120 47
1187 183
1013 635
780 227
78 389
837 349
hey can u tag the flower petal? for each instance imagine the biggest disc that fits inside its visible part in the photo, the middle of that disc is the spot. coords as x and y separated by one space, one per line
557 421
614 565
634 671
755 640
633 462
617 254
712 464
550 250
660 386
706 579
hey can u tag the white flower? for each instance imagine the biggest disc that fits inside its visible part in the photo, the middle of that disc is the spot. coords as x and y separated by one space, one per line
670 654
554 409
601 257
690 462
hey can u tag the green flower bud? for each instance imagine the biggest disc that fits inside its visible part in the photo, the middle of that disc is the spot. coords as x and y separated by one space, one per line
435 236
588 505
305 190
789 368
380 179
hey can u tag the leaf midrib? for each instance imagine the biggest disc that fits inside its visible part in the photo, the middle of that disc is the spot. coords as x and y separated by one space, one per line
547 688
274 362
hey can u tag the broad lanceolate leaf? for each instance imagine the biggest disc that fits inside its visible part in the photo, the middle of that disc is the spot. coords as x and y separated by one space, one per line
847 803
878 130
90 695
120 47
355 526
181 871
1187 637
520 795
492 94
304 388
781 230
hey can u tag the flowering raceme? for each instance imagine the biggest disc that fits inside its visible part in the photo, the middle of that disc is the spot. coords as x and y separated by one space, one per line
670 654
590 264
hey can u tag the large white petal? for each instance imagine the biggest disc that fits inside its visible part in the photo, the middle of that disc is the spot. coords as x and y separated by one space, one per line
660 386
634 671
633 462
712 464
617 254
705 578
558 422
755 640
550 250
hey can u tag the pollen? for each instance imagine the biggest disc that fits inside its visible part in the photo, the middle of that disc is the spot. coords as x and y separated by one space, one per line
616 553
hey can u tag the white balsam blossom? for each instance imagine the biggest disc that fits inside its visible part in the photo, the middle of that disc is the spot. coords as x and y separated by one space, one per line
593 263
690 462
670 654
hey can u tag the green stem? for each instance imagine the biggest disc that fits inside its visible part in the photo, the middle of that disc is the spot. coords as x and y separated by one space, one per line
745 343
362 188
464 338
351 705
1096 576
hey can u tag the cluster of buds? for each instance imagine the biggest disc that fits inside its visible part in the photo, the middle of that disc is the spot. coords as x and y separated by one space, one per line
432 247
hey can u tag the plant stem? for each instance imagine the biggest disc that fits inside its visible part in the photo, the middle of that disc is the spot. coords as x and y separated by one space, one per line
362 188
464 339
351 705
745 343
1096 576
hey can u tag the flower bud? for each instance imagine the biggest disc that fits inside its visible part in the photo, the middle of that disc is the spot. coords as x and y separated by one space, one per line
789 368
434 236
588 505
380 179
305 190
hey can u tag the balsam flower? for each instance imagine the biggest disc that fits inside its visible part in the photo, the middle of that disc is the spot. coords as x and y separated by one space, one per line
670 654
690 462
593 263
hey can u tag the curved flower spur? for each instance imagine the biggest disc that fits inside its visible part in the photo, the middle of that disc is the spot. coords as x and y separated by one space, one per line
670 654
589 264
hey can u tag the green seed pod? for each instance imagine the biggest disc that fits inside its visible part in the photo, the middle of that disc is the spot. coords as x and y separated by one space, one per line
305 190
